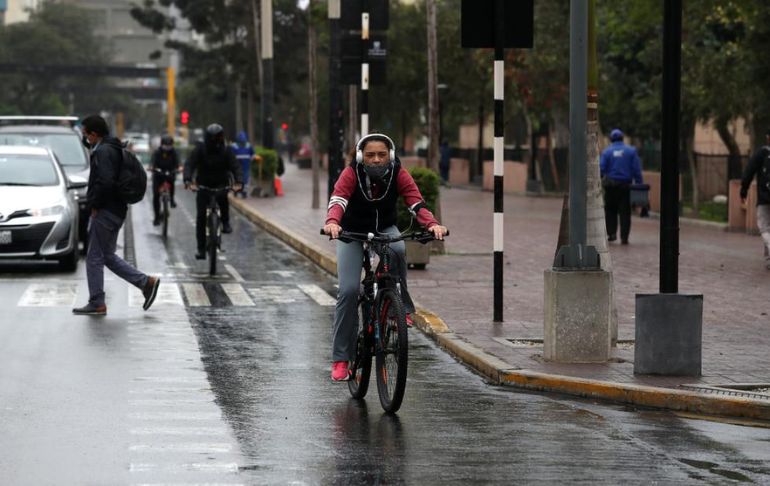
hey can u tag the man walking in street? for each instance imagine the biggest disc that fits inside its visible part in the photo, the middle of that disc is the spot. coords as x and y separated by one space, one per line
759 165
619 166
108 212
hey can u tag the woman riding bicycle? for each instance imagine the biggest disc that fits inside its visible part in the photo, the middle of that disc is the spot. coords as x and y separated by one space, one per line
364 200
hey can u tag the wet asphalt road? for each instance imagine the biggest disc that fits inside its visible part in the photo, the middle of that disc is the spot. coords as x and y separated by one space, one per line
226 381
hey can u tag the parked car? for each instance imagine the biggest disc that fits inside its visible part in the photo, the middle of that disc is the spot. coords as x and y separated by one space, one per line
63 140
38 212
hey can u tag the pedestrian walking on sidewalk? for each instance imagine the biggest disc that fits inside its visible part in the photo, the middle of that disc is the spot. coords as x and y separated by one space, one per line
759 166
244 153
108 212
619 166
364 200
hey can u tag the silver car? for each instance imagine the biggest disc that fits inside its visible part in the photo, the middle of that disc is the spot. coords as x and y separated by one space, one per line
38 207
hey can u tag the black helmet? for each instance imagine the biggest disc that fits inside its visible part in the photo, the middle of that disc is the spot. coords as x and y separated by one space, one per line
166 140
214 138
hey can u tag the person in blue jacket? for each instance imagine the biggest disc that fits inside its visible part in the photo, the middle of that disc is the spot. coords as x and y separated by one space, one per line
619 167
244 152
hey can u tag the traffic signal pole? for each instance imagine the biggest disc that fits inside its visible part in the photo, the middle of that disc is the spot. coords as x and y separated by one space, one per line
170 101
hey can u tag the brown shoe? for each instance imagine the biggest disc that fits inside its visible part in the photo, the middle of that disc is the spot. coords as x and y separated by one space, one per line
150 291
90 310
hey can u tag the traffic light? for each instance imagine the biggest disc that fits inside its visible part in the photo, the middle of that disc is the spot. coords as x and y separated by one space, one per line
284 126
184 117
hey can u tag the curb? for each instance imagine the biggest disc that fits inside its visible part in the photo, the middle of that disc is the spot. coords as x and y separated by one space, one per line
501 373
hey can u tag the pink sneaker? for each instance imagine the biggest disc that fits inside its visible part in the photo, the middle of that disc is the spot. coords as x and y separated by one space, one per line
340 371
409 321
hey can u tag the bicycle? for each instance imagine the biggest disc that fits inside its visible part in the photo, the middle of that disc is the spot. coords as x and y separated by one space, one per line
164 191
213 225
382 330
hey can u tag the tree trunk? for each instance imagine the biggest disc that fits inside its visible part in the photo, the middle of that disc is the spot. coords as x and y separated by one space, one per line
352 117
257 50
690 152
313 93
479 169
238 105
433 113
734 168
250 110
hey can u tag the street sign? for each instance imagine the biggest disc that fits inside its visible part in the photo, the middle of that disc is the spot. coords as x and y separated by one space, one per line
351 14
477 23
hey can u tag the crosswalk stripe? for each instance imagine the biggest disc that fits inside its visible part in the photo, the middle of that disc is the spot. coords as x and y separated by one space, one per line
237 294
49 294
196 295
317 294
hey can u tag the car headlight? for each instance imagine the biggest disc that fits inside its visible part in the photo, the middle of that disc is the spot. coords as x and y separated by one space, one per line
49 211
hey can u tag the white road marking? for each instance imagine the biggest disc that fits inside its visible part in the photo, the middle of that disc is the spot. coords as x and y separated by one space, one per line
195 448
168 293
221 257
229 467
187 416
54 294
196 295
237 295
318 294
283 273
237 276
216 431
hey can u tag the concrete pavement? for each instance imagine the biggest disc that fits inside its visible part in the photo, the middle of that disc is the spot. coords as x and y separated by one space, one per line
454 298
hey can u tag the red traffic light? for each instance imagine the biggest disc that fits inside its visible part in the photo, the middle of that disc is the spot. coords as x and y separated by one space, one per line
184 117
284 126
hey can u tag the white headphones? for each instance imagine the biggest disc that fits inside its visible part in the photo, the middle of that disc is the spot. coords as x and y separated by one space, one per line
362 142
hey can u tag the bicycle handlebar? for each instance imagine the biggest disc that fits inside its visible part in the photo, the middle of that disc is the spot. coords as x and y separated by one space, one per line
198 187
421 236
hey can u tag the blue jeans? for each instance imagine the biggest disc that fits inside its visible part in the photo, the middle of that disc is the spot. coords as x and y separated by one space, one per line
350 257
103 229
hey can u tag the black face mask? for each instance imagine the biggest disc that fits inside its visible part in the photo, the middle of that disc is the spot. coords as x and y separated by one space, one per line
85 141
377 172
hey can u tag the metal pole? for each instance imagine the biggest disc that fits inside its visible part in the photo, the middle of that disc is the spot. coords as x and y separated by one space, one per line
336 131
364 68
171 102
669 176
267 66
499 68
578 87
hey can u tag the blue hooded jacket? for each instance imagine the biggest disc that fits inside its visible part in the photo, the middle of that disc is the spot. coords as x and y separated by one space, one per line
620 162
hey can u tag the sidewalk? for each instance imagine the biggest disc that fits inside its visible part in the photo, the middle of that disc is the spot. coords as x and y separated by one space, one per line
454 297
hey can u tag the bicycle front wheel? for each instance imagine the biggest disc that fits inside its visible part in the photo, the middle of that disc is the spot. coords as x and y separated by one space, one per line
165 216
361 368
392 353
213 242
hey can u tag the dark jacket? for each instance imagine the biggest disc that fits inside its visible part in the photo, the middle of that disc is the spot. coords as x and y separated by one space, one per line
165 160
620 162
758 165
212 168
106 159
376 212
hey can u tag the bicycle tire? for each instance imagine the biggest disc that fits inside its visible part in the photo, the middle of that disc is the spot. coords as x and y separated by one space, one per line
361 369
212 242
392 355
165 216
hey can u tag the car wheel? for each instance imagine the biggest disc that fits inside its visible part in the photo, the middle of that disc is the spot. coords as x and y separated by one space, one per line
69 262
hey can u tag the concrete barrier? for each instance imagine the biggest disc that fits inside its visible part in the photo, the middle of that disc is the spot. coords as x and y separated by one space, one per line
458 171
742 217
514 176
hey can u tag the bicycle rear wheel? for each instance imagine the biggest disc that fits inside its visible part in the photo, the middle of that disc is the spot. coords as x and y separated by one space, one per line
165 216
392 355
361 369
213 242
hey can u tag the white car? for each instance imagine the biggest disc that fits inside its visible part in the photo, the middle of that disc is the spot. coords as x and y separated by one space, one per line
38 207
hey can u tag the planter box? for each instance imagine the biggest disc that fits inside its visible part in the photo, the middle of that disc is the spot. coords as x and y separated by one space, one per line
458 171
514 176
417 255
742 217
262 188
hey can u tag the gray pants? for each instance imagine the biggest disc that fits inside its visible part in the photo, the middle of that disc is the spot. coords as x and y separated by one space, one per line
350 257
763 222
103 232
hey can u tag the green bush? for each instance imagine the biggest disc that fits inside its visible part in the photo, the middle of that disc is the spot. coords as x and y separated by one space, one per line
269 163
428 183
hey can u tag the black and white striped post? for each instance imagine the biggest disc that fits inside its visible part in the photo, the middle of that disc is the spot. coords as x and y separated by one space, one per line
364 68
499 88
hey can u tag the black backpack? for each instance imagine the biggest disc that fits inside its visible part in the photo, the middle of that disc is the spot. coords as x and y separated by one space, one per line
131 182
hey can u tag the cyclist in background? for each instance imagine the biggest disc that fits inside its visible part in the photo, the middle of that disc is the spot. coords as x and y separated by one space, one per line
164 158
211 164
364 200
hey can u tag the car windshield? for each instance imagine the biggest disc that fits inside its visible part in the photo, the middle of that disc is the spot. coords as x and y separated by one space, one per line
27 170
66 146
